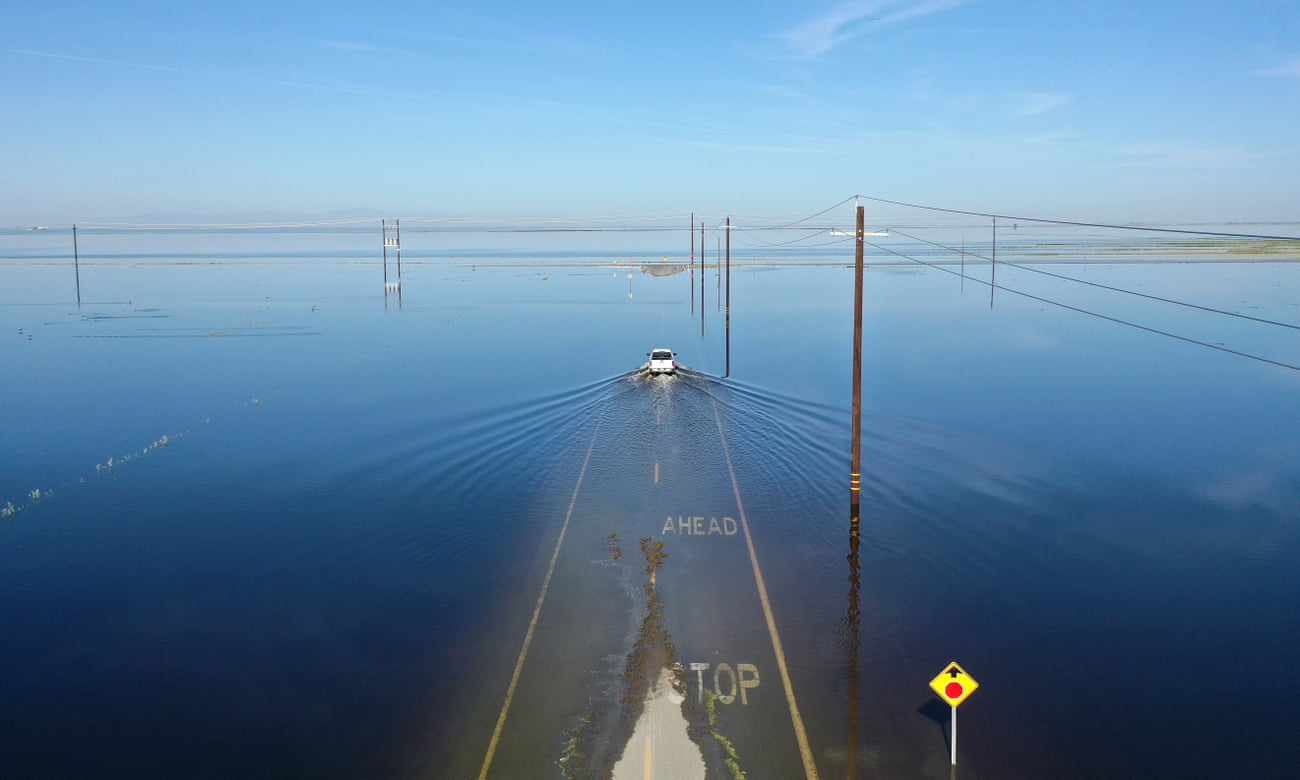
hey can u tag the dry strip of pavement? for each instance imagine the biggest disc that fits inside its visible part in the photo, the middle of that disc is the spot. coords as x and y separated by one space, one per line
660 735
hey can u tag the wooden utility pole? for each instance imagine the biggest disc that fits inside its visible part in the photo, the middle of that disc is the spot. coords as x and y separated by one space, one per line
728 322
690 277
855 467
993 277
76 263
392 238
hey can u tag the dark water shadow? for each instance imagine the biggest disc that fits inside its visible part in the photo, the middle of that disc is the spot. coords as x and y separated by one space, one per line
941 714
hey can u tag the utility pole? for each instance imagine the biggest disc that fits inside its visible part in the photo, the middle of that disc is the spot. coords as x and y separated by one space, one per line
383 225
392 239
728 323
855 467
993 278
76 263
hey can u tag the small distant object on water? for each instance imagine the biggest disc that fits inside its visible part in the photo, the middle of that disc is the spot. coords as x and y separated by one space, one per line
662 361
38 227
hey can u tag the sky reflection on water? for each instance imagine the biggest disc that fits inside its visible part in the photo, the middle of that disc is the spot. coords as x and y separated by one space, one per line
1099 523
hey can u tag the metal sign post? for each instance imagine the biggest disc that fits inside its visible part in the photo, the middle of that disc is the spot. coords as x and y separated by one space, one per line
954 736
953 686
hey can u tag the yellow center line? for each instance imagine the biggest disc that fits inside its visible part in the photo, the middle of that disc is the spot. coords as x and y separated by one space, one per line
537 611
648 760
800 734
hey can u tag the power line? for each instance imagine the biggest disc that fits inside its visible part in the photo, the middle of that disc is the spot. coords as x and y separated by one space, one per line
1099 285
667 222
814 216
779 244
1098 315
1077 224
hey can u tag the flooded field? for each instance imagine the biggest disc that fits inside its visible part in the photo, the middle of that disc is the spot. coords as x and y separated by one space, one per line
266 517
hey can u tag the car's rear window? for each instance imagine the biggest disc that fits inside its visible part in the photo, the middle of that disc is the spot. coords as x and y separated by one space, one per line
662 356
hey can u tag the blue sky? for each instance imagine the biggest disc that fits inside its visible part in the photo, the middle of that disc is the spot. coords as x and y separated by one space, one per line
1116 111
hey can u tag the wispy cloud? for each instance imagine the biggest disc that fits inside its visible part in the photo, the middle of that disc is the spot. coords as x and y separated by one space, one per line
849 20
783 92
1288 69
760 149
227 75
1035 103
509 41
361 47
1178 154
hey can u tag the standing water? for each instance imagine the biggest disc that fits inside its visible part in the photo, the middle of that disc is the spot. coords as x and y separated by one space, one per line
264 517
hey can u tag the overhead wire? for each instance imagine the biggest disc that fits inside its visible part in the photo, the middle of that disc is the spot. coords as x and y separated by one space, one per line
748 234
814 216
1107 317
666 222
610 224
613 223
1075 223
1111 288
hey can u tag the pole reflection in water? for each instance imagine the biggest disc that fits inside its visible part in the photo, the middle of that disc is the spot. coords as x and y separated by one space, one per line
393 289
702 278
852 644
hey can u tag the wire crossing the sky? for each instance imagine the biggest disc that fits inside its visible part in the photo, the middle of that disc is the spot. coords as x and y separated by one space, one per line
1107 317
1099 285
1072 223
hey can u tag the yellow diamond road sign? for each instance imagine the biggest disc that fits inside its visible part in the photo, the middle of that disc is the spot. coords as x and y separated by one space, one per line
953 684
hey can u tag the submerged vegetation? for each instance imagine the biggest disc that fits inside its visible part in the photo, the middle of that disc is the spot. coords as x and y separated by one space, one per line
35 495
654 649
731 759
574 756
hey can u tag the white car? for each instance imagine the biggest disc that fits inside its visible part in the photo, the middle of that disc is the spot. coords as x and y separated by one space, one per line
662 362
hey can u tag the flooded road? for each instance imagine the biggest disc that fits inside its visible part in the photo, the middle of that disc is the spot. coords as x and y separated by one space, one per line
267 520
657 480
